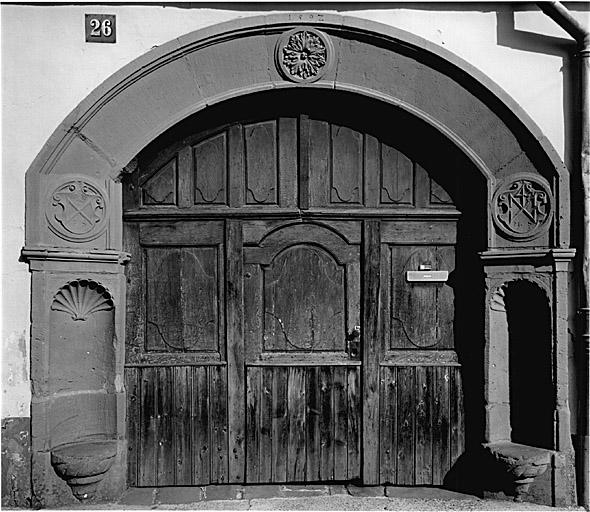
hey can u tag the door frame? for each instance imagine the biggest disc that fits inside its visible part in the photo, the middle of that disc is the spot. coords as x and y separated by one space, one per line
98 141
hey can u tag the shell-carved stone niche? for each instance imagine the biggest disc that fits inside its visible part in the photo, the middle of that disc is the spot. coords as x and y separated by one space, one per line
81 298
82 415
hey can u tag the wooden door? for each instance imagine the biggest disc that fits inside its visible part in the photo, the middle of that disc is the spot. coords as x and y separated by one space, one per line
272 333
303 368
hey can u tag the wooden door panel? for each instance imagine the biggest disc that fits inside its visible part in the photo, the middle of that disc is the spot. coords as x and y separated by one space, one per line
421 423
421 313
182 299
306 276
302 423
180 437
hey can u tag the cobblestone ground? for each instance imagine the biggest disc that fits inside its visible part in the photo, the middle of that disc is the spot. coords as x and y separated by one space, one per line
285 497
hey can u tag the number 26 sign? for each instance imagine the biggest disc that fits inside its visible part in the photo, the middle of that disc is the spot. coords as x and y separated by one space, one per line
101 28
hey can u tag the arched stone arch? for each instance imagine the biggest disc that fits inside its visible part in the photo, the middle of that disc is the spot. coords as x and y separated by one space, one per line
104 133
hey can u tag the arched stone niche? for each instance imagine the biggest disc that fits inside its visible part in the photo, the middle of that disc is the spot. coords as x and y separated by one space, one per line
73 190
525 367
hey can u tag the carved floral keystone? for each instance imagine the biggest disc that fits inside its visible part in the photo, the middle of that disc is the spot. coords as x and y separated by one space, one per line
77 211
304 54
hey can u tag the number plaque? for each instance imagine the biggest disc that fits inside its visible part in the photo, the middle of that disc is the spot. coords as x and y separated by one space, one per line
101 28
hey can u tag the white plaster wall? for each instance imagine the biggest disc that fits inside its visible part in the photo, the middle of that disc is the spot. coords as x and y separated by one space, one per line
47 69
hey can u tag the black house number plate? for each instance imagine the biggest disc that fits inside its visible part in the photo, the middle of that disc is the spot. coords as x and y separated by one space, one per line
101 28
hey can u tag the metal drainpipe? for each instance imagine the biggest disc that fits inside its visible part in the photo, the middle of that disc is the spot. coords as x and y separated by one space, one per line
558 13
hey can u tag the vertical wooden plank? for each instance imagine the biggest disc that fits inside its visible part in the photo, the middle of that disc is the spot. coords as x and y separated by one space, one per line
185 177
457 427
132 388
445 299
260 154
346 166
266 413
353 414
387 458
440 424
339 416
288 162
253 385
209 171
304 162
235 348
280 426
253 314
319 163
147 470
312 422
236 165
219 455
423 440
326 424
405 425
397 177
421 187
200 424
165 438
296 405
182 425
371 336
135 303
372 164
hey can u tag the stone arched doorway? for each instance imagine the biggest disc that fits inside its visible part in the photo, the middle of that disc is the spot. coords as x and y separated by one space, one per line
498 171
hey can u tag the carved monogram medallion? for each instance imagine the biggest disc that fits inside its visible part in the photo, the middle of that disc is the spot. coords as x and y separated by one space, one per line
77 211
523 207
304 54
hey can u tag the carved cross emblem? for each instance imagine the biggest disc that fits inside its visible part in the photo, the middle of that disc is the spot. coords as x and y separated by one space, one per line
77 211
523 208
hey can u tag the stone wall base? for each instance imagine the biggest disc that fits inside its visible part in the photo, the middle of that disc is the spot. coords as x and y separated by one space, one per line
16 462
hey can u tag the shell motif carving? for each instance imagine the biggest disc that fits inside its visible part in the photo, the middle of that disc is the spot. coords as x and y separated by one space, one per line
304 54
77 211
81 298
523 207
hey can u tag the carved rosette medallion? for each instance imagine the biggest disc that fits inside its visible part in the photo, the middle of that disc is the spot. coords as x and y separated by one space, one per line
304 54
77 211
523 207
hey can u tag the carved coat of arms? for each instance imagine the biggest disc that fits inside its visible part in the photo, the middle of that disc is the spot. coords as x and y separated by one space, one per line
77 211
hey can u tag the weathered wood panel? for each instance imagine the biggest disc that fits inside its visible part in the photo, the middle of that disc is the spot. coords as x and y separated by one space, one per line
160 188
421 422
421 313
179 425
346 166
210 170
182 303
302 423
309 277
260 147
397 178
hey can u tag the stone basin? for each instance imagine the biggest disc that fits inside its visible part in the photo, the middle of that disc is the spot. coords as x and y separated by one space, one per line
83 465
521 462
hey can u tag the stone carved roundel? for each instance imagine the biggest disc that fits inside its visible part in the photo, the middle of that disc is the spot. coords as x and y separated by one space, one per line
523 207
77 210
304 54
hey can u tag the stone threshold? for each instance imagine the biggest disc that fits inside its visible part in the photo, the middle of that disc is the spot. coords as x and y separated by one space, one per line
161 496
